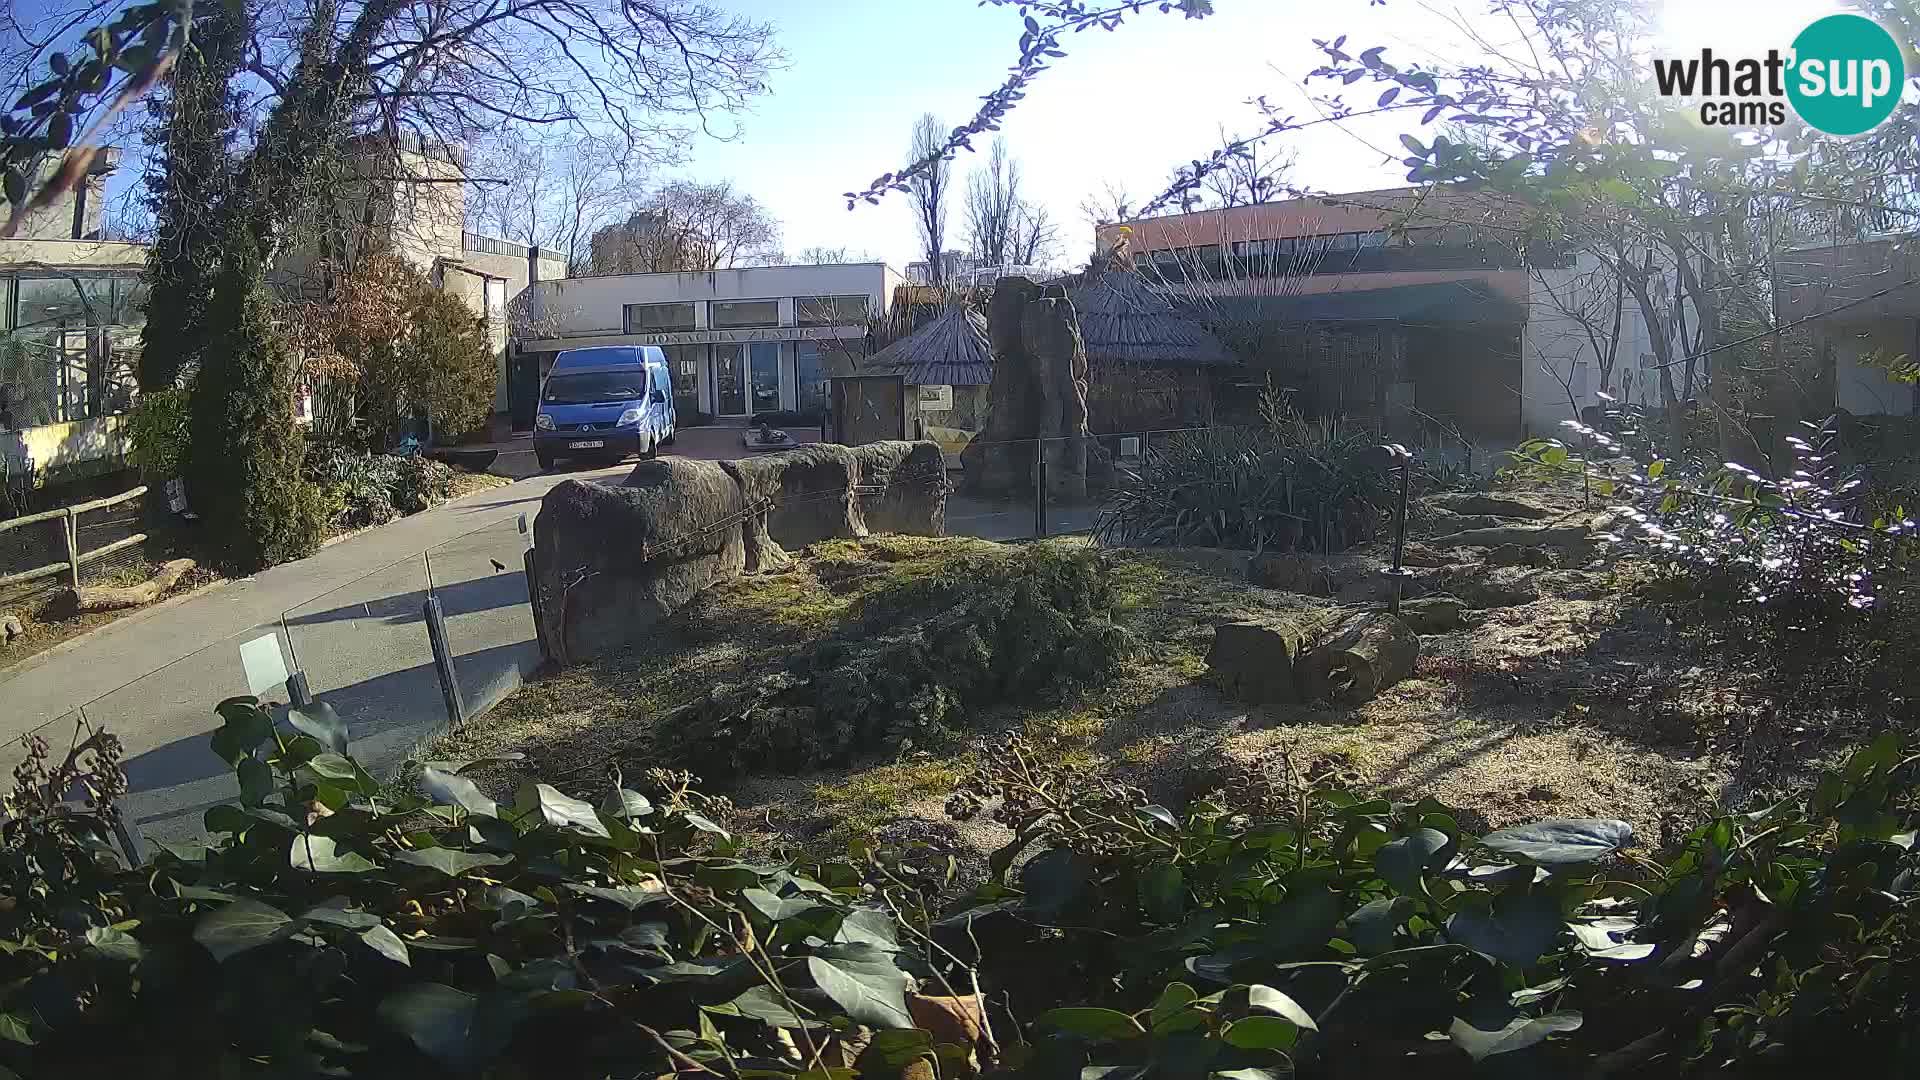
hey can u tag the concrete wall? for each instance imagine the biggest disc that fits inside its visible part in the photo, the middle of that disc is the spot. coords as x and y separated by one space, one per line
1554 342
596 306
1861 387
71 449
70 254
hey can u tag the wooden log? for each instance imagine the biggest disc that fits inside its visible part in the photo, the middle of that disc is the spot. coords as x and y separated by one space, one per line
1254 661
1364 655
97 598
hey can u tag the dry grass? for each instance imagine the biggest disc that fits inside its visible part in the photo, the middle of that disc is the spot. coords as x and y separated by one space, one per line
46 626
1517 718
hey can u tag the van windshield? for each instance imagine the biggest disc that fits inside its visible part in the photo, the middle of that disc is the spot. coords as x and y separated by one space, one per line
584 387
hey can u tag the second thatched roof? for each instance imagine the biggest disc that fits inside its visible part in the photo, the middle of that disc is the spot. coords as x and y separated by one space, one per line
950 350
1123 321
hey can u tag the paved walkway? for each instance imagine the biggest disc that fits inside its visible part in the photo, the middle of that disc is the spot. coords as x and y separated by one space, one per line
352 619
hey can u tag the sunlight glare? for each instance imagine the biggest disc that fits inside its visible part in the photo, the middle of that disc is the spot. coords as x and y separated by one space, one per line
1734 27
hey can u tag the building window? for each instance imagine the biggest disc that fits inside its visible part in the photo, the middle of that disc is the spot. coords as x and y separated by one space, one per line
1373 239
763 374
659 318
1346 242
830 310
739 314
811 373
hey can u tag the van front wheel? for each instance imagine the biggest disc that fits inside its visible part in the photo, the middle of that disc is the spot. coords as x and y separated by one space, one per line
652 451
668 441
546 460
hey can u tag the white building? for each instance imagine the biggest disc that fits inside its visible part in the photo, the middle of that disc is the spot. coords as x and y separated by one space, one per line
741 342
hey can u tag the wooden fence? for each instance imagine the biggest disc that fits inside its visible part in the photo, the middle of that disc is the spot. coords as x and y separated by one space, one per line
75 557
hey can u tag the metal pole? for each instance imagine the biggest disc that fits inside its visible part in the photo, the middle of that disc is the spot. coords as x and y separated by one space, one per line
1403 461
297 691
1039 488
539 627
443 663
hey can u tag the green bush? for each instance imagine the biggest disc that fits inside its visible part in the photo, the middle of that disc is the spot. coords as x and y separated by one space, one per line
438 359
916 659
159 427
1289 483
333 926
373 489
244 454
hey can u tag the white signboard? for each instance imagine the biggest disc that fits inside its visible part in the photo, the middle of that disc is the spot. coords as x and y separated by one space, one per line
935 398
266 668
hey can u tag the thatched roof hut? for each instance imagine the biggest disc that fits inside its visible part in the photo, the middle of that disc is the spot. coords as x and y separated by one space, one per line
1123 321
950 350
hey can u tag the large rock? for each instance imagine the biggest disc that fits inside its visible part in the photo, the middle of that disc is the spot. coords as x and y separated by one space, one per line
1572 537
1438 614
796 498
610 562
1364 655
1254 662
903 487
1467 502
1039 391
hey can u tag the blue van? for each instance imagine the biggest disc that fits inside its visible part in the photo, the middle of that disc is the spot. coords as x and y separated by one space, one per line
605 402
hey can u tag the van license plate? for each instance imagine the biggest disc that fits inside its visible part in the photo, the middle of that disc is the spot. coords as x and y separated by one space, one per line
587 444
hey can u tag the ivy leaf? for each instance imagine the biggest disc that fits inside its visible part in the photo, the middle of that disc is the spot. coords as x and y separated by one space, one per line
869 926
1386 99
341 917
1402 863
706 826
387 944
320 721
1562 841
321 855
1101 1025
1415 146
440 1020
16 1028
777 908
1518 1035
448 861
1268 999
1261 1033
241 925
628 898
562 811
256 781
1163 891
626 804
864 982
117 944
1371 927
763 1004
460 765
1053 879
1516 930
450 790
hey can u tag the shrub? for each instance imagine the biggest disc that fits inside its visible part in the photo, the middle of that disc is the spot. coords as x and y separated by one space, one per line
373 489
159 428
1288 483
333 926
244 454
915 658
414 348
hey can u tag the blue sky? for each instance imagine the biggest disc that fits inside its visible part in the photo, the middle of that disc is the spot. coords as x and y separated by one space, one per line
1122 107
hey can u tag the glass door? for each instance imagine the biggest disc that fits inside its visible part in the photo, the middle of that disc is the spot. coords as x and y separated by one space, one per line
729 382
686 362
765 357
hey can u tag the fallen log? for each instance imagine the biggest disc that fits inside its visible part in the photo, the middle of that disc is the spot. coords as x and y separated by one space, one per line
1364 655
91 599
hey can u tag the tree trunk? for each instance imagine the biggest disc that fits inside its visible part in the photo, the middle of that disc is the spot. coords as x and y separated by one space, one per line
1366 654
1254 662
